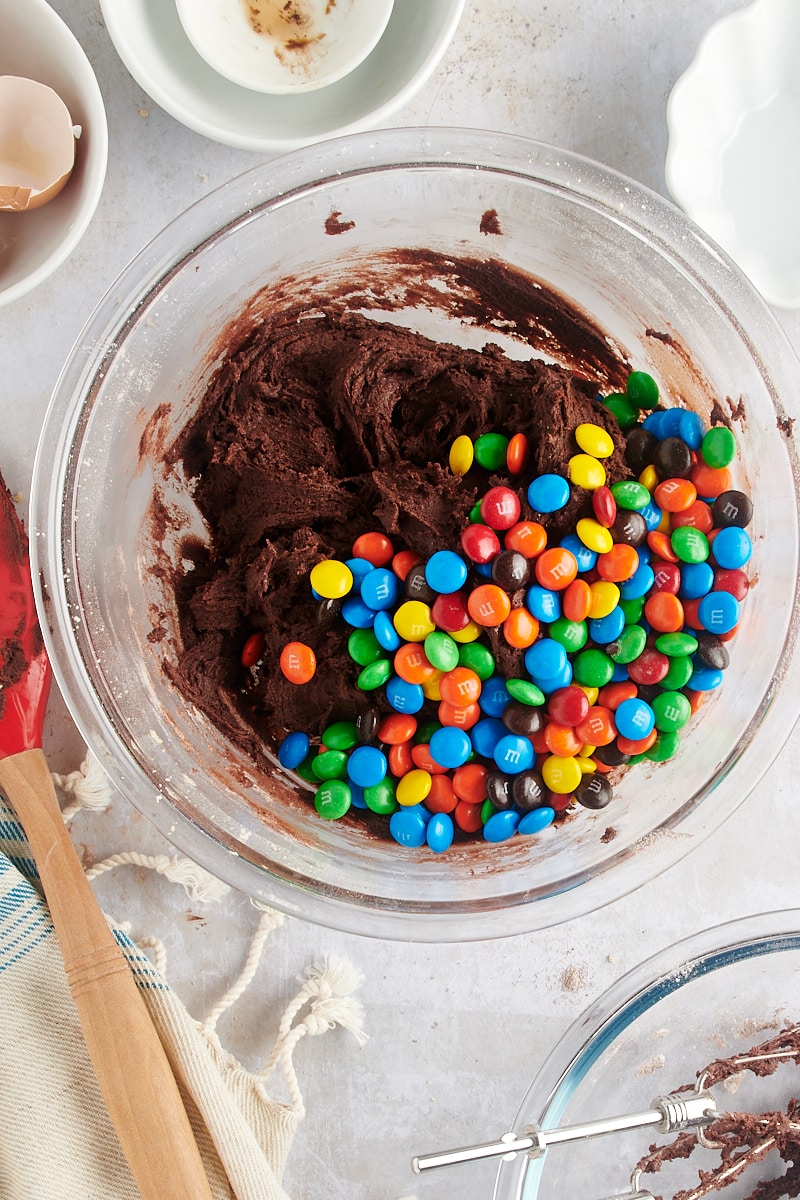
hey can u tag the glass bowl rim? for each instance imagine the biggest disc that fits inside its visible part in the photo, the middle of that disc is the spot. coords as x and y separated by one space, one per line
241 199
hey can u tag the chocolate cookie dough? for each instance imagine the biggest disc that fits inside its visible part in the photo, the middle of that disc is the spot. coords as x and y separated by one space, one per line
321 424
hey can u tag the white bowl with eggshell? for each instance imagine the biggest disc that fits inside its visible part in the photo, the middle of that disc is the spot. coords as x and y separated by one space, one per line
51 93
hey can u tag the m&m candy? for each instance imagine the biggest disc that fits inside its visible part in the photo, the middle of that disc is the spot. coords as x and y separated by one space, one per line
570 628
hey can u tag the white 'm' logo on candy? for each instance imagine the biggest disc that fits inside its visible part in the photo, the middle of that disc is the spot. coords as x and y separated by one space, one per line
671 713
512 756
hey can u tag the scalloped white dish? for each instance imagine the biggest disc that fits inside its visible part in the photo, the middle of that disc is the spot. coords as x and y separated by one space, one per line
733 162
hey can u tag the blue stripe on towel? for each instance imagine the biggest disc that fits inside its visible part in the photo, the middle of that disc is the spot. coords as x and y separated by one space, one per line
24 921
24 917
141 967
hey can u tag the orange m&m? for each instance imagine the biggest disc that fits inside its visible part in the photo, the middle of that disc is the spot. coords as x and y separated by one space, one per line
298 662
556 568
488 605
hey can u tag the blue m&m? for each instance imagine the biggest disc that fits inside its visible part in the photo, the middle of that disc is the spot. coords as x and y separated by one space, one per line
548 493
445 572
718 612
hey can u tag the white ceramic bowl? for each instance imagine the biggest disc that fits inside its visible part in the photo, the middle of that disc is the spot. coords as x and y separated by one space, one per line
151 42
733 162
284 48
36 44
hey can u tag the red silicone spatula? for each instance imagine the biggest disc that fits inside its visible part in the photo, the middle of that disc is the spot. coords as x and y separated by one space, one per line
132 1068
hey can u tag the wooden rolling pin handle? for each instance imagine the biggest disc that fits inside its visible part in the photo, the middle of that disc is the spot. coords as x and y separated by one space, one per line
131 1065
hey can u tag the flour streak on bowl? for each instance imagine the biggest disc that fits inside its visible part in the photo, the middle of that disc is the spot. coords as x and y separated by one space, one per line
733 162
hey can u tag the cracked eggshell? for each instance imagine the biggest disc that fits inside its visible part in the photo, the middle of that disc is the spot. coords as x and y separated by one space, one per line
37 144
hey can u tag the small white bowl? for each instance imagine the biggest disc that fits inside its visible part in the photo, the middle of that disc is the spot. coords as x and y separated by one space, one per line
36 44
278 47
153 45
733 162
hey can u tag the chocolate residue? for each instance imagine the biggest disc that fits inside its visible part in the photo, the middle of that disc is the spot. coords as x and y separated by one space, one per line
286 21
666 338
608 835
786 426
718 416
322 423
735 412
152 441
742 1139
673 362
490 222
13 542
333 225
737 409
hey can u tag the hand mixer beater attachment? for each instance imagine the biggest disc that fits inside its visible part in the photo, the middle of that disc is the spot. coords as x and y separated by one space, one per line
691 1113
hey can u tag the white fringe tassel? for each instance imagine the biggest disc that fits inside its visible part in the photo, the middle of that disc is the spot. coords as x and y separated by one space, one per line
88 787
327 989
198 883
270 919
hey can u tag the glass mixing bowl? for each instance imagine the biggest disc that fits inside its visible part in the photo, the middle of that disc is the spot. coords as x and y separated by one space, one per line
667 299
716 994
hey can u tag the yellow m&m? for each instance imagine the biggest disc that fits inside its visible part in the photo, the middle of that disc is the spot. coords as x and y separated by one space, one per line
462 455
331 579
594 440
413 621
586 472
594 535
605 598
561 775
413 787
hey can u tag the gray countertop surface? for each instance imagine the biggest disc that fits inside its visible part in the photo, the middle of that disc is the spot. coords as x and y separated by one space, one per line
456 1032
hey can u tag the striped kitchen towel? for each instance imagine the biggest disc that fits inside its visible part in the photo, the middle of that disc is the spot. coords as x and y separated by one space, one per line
56 1141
